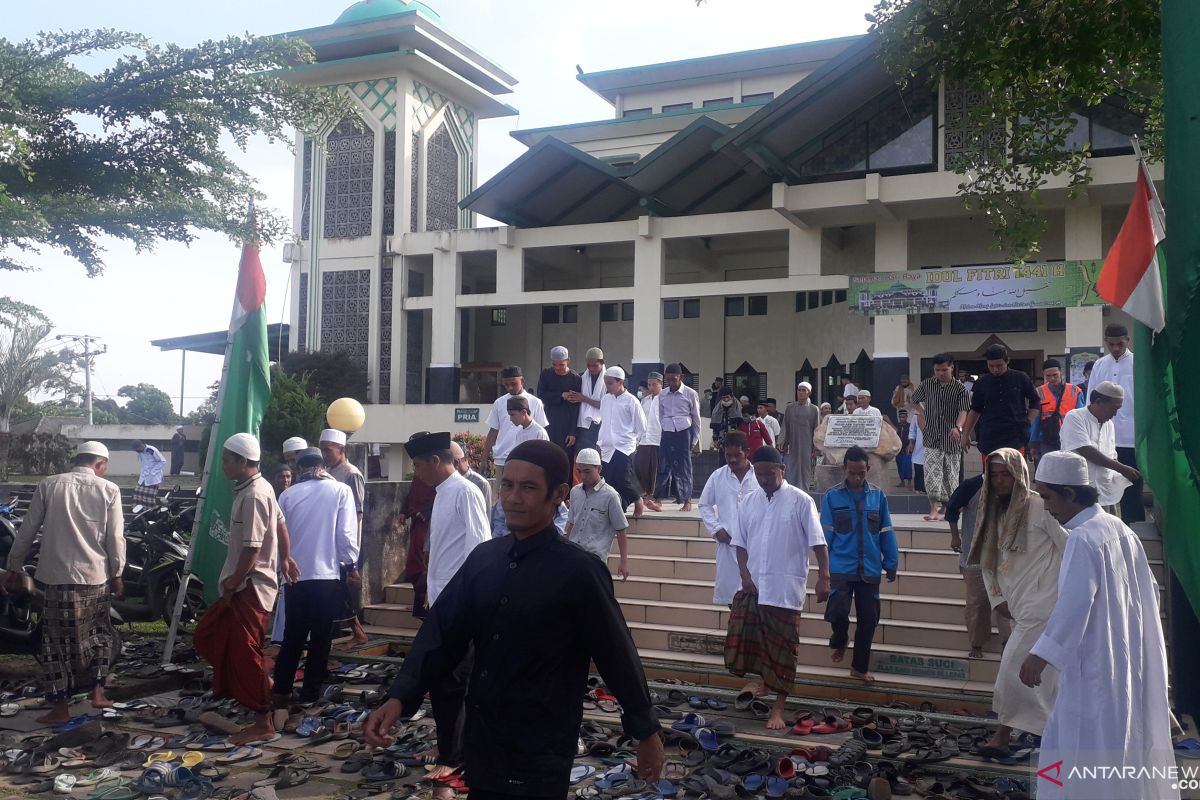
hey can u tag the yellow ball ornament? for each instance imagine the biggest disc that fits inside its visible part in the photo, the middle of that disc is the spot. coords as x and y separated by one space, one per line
346 414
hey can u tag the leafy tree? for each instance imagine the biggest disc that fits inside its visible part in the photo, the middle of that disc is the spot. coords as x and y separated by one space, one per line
291 411
1035 64
328 375
137 151
148 405
25 367
206 412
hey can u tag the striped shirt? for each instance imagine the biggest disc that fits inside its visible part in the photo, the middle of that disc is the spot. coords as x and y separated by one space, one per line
943 402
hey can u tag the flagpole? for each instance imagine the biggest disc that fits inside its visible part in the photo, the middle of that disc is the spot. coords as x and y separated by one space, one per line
213 454
1141 159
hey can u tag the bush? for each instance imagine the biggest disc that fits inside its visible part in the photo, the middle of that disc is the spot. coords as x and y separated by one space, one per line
327 375
41 453
292 411
472 444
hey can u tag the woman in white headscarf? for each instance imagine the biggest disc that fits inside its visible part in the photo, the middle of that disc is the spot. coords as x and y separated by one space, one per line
1019 548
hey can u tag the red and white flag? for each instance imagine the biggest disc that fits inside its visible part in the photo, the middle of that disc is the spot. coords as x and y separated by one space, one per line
1131 278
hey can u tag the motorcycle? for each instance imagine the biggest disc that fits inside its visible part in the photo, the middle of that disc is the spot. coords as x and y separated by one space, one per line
156 548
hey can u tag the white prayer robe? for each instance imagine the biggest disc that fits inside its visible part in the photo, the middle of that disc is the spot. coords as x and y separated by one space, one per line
1105 642
458 523
509 435
719 508
1028 582
777 532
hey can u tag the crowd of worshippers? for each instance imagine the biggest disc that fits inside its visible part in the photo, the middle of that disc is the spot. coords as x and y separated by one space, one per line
518 598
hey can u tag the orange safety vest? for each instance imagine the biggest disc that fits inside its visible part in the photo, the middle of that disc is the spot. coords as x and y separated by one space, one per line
1071 397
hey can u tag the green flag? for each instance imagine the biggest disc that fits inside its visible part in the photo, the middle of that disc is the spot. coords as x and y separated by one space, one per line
241 403
1167 380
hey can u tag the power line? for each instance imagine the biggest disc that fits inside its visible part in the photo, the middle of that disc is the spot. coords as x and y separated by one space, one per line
88 359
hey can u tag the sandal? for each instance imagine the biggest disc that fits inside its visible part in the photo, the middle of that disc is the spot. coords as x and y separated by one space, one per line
283 777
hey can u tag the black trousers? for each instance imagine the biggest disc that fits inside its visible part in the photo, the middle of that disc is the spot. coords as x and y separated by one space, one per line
618 473
865 597
311 608
587 438
448 699
1132 507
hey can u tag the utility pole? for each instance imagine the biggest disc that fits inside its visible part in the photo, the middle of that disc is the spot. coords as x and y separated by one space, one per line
88 356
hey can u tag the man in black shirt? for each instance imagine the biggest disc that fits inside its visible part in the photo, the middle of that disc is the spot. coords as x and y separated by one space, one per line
553 386
1003 405
537 608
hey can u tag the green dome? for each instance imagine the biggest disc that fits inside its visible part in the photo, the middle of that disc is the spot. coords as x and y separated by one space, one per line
367 10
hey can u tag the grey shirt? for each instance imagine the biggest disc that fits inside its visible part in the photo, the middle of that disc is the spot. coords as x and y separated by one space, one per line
482 484
595 518
350 475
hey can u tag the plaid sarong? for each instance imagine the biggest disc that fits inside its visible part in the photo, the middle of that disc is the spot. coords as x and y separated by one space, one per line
77 639
763 640
145 495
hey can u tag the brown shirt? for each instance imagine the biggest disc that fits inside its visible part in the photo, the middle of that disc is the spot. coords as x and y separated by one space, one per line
254 522
83 530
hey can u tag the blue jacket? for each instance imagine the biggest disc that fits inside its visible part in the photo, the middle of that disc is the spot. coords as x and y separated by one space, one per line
862 542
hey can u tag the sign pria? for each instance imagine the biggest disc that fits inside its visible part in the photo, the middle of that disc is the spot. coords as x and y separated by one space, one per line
466 415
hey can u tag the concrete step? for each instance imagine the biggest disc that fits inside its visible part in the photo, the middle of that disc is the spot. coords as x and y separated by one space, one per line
682 590
681 643
946 610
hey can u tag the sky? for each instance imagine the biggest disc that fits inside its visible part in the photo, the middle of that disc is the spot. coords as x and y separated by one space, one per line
178 290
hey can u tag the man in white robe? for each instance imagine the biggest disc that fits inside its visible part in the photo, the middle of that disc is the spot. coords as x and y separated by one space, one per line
1105 643
1018 548
723 493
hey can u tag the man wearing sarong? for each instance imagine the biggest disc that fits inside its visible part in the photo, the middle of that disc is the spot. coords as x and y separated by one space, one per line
150 476
82 554
1105 643
1018 547
777 527
624 425
800 421
231 632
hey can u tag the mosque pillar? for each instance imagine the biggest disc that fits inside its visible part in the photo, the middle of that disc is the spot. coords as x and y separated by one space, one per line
647 303
890 359
1085 325
442 374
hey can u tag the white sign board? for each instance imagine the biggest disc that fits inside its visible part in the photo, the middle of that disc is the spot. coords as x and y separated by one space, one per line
849 430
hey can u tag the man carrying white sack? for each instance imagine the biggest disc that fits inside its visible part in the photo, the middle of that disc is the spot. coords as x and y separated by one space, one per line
1104 640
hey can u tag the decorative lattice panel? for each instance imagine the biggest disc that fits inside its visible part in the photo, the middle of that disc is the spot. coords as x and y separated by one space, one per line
302 315
349 171
414 348
441 182
346 313
962 135
430 101
385 332
389 182
415 190
306 192
380 98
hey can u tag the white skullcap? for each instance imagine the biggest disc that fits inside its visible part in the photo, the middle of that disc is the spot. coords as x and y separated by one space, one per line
588 457
744 397
333 436
864 392
1110 389
559 353
244 445
615 372
804 385
293 444
1064 468
91 448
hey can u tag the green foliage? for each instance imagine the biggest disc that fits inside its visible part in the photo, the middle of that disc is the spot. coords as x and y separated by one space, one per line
328 376
26 366
1035 64
472 445
41 453
292 411
206 412
148 405
137 151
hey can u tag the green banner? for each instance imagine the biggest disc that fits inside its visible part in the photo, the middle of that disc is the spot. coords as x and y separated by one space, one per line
993 287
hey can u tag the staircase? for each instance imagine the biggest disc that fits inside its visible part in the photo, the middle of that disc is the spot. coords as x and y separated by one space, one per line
920 645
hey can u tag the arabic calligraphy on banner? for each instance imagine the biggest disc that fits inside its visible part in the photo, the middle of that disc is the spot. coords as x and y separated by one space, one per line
1052 284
